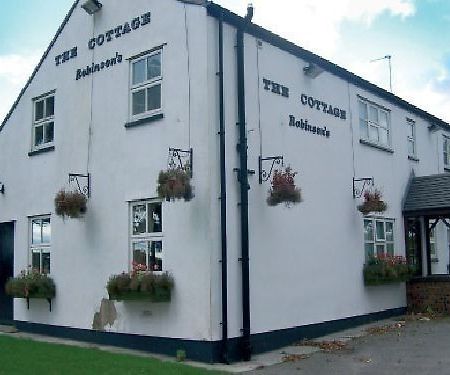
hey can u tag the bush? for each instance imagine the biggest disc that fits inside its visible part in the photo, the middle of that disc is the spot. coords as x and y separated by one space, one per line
372 202
140 285
385 269
283 189
70 203
31 285
175 184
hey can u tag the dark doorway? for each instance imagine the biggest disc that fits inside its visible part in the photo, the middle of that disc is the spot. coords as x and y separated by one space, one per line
6 270
414 244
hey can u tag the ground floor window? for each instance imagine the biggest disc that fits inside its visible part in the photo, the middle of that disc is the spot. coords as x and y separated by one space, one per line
40 240
146 235
378 237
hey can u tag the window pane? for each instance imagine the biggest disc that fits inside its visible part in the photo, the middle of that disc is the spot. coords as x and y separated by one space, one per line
36 232
46 231
369 247
411 150
49 133
45 262
138 102
36 260
139 219
363 111
380 249
380 231
50 106
140 252
410 129
154 98
39 110
154 66
373 134
373 114
38 135
154 217
368 230
363 128
383 119
389 231
139 72
383 136
157 256
390 249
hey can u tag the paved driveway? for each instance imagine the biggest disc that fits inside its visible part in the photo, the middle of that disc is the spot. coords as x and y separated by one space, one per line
411 347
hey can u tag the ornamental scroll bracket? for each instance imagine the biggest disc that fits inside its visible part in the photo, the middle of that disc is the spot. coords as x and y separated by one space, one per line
82 182
182 159
360 185
266 172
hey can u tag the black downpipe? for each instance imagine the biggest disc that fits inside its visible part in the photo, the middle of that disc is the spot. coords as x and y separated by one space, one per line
245 345
223 201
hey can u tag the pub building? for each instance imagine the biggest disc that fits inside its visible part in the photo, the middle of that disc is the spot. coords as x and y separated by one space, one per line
126 90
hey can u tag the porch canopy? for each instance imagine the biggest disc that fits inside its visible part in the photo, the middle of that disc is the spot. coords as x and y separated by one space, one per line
427 202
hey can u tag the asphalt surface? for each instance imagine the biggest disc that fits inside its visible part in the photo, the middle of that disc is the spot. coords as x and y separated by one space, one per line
407 347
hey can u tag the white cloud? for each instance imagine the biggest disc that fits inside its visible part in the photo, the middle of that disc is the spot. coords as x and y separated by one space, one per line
14 72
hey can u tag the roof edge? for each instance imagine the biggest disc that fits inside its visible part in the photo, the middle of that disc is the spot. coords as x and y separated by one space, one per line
259 32
38 66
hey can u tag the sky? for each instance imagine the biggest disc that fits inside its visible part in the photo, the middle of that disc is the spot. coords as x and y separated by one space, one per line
350 33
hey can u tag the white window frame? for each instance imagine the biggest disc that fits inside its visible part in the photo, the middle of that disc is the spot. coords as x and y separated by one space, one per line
374 124
411 138
378 242
155 81
42 247
148 237
446 151
43 122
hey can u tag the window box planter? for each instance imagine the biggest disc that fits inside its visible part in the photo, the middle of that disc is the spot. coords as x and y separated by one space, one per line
283 189
373 202
31 285
70 203
140 286
385 269
174 184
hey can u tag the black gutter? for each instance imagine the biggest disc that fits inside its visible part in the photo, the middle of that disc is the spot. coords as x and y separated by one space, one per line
267 36
223 202
245 345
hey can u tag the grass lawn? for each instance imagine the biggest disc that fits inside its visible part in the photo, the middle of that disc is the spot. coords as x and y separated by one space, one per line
19 356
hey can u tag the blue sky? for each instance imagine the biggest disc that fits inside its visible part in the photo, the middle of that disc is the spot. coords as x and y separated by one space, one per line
348 32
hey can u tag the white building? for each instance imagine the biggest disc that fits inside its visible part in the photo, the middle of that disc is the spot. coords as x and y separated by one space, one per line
116 90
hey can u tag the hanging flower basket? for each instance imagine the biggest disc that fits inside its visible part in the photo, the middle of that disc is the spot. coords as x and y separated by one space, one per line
139 285
283 189
386 269
70 203
31 285
174 184
373 202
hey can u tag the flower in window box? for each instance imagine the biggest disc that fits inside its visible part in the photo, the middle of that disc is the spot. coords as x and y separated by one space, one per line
283 189
373 202
70 203
385 269
175 183
31 284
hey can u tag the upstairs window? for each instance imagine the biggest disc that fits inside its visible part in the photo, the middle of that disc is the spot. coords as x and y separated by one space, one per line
146 83
411 137
374 124
446 152
43 121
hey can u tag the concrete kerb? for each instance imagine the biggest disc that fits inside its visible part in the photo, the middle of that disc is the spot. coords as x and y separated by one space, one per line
259 361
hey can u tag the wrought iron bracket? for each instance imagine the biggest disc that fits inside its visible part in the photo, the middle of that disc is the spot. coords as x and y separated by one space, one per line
82 182
264 174
360 184
182 159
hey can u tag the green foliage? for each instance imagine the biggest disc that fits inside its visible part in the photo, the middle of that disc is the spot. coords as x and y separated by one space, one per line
70 203
385 269
138 285
31 285
283 189
181 355
175 184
